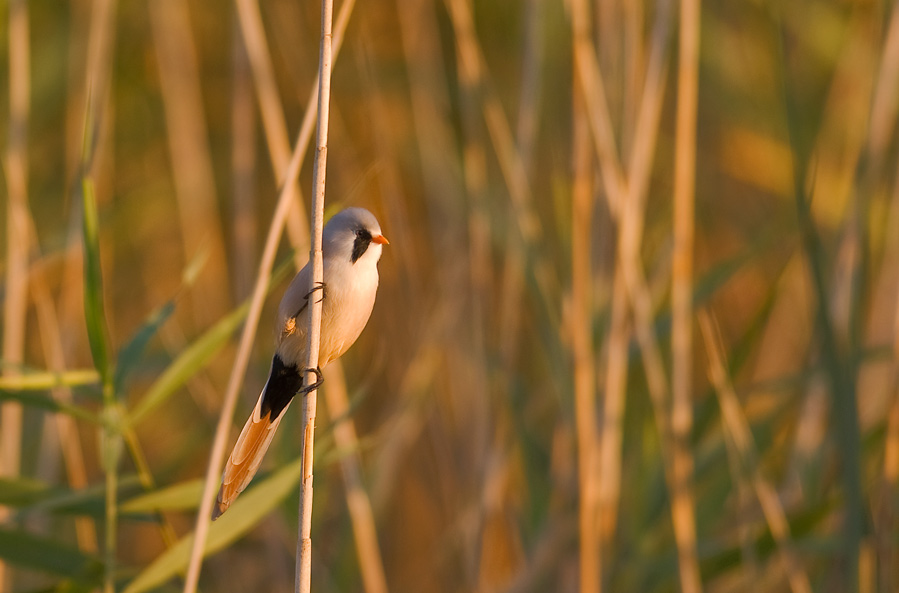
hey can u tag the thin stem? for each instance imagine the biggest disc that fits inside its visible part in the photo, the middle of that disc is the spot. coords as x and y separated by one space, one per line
16 288
582 348
304 545
217 456
682 295
371 565
838 361
737 428
191 159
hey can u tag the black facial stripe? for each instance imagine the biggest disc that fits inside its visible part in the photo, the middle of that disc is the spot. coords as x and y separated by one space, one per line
360 245
283 383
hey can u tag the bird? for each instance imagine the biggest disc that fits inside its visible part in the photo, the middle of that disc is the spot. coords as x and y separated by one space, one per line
351 248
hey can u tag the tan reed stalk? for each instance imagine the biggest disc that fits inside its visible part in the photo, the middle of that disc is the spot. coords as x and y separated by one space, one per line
217 456
244 220
611 430
633 65
589 76
627 199
881 130
885 102
274 123
191 161
474 67
737 428
531 83
887 518
272 113
631 220
612 427
512 283
471 391
17 241
67 429
886 514
479 268
304 543
582 350
371 566
429 95
682 296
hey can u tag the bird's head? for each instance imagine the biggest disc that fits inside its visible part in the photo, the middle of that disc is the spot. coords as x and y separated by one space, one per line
355 235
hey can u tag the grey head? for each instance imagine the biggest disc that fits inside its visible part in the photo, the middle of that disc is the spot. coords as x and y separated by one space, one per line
351 234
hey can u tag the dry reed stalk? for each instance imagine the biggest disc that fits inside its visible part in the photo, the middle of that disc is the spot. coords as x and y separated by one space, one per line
512 283
479 268
389 177
885 102
886 514
589 77
274 122
243 162
365 533
737 428
582 350
101 37
407 422
17 241
304 543
471 397
66 428
591 85
429 96
682 295
191 161
273 114
531 83
633 63
474 68
628 202
631 222
883 114
612 428
217 456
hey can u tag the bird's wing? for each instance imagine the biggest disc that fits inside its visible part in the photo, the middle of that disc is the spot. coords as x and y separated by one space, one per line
248 452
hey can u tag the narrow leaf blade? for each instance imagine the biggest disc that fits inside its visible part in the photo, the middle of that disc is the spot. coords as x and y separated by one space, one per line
249 509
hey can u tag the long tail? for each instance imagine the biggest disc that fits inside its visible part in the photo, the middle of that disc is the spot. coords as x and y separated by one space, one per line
248 452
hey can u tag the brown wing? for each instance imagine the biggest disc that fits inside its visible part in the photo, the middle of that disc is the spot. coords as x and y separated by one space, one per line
248 452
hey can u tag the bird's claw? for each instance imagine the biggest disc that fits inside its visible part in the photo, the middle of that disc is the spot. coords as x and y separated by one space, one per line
319 379
318 286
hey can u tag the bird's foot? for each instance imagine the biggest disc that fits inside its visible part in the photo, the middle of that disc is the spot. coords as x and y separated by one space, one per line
318 286
319 379
292 320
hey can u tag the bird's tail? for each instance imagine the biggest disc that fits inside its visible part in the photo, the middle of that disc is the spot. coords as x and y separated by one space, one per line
246 456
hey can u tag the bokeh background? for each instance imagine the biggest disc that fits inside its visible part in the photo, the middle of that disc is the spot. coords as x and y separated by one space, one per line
586 370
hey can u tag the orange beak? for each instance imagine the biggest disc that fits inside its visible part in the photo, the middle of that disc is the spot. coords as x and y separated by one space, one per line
380 240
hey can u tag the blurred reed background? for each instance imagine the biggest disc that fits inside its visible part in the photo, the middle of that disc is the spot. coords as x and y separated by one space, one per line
637 327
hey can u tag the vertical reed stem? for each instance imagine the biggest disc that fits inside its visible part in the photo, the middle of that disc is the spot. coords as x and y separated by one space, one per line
304 545
682 296
16 172
581 324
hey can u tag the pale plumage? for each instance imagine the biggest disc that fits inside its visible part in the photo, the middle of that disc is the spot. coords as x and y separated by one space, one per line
351 247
